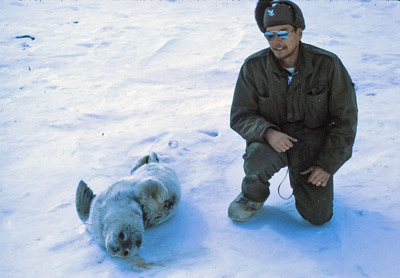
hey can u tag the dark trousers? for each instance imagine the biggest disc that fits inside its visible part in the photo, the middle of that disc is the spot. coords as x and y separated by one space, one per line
261 162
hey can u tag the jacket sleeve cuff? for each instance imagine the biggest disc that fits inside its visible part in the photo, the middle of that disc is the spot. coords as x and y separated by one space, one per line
263 128
331 169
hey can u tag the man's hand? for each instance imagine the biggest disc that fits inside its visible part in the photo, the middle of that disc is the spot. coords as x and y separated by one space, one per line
279 141
318 176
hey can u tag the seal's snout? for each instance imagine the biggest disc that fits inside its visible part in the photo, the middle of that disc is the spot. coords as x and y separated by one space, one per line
117 252
122 244
124 240
118 245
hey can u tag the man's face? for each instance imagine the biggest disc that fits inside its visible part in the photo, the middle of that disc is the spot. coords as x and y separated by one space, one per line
285 49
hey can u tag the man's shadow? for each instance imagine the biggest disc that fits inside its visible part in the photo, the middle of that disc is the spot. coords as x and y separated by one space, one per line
356 242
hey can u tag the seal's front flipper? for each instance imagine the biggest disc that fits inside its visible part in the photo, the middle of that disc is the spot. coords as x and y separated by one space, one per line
153 193
83 199
153 158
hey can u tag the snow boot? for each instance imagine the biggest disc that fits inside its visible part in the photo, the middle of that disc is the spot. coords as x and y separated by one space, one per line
242 209
83 199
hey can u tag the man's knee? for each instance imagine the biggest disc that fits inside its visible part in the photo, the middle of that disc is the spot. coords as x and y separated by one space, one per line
261 162
315 204
319 220
316 215
261 158
256 152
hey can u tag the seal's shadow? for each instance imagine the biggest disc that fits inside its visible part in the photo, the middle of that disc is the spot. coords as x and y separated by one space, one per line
179 238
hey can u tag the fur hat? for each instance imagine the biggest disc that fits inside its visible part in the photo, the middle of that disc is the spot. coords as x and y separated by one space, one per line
284 12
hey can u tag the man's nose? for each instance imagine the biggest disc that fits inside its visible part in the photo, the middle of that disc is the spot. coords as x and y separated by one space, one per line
276 38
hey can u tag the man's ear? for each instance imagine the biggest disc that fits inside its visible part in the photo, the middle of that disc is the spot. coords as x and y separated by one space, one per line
299 33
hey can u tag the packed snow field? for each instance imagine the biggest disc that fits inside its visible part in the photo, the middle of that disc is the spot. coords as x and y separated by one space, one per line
88 87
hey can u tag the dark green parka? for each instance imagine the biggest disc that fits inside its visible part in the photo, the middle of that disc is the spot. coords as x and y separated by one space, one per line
320 93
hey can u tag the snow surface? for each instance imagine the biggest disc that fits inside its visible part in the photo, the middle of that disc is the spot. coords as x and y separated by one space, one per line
101 83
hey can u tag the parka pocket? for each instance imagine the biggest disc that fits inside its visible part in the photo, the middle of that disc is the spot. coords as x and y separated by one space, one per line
317 107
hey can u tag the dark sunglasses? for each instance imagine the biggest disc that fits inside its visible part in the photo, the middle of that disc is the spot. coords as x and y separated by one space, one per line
284 35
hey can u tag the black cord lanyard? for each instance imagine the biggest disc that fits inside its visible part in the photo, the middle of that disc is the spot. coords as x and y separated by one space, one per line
279 187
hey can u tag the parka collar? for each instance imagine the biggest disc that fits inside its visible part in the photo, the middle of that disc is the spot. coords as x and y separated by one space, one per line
304 65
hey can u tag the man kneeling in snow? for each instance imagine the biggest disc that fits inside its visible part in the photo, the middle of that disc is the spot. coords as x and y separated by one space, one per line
295 106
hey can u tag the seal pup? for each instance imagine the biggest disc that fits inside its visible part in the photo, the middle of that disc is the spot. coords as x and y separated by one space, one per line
117 217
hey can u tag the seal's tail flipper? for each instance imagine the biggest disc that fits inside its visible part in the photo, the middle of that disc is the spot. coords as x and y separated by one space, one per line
151 158
83 199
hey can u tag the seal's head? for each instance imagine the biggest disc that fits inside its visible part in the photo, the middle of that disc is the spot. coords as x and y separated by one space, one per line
123 240
124 230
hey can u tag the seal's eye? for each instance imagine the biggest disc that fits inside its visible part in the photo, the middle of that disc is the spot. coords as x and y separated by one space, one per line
121 236
126 253
138 242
